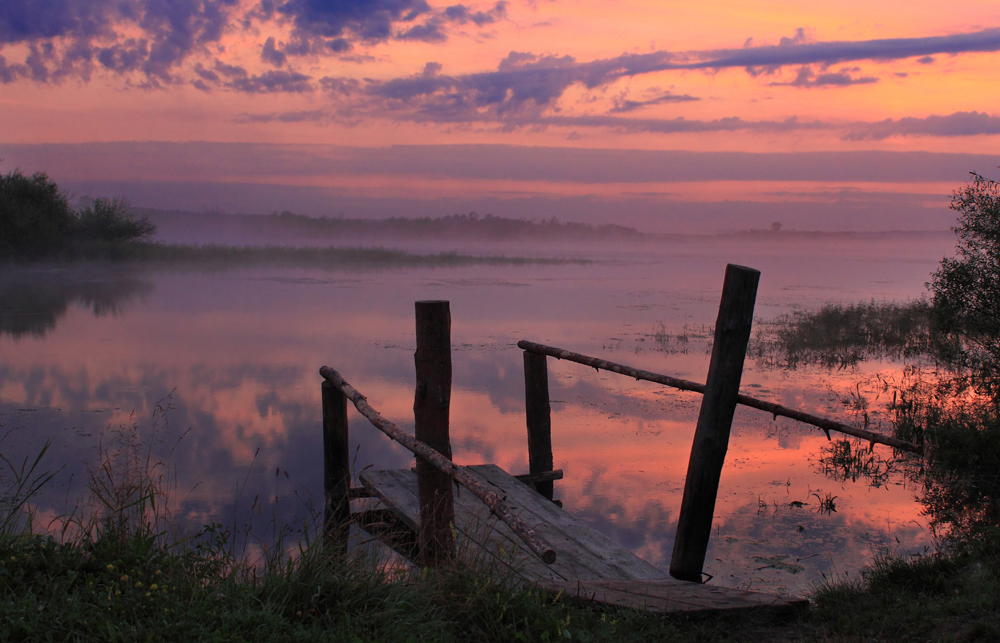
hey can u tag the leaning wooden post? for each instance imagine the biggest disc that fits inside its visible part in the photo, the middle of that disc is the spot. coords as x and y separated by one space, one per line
336 467
431 405
711 437
538 415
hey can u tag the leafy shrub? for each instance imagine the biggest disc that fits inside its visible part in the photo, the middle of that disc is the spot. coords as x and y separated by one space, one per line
966 289
34 214
112 220
36 220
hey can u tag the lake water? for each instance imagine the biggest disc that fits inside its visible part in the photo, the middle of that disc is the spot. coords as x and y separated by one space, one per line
234 356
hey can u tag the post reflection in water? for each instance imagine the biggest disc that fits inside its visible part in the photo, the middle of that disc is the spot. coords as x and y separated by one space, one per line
235 356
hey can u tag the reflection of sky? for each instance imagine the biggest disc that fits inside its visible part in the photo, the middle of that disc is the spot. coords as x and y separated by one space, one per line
238 354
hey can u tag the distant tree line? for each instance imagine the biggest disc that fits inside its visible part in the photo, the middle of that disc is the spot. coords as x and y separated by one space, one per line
455 225
37 221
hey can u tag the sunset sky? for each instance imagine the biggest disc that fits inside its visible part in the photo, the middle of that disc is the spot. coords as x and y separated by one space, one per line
846 115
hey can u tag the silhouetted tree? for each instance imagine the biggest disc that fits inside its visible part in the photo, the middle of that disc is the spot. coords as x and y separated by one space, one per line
966 288
36 219
34 214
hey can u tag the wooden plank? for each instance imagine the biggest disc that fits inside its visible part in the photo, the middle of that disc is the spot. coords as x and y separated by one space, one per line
583 552
474 523
577 570
598 553
672 596
396 495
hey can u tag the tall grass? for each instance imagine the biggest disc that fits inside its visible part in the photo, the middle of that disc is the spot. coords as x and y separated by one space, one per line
842 336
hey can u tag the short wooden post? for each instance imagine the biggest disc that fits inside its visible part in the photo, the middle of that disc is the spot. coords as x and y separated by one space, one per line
538 416
711 438
431 406
336 467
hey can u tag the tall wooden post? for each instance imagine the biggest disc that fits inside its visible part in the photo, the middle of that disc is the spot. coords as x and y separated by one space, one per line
336 467
538 415
431 406
711 437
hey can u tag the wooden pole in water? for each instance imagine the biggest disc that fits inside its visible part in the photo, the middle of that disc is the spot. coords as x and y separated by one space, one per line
336 467
538 416
431 406
711 437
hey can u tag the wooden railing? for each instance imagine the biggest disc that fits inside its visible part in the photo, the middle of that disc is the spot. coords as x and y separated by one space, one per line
711 439
431 444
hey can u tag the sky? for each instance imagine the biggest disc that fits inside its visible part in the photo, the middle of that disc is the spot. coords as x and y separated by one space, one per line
694 116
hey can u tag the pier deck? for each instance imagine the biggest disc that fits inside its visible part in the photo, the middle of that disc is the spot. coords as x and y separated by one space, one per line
589 567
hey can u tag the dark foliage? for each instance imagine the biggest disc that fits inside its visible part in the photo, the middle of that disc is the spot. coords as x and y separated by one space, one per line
841 336
34 214
36 221
966 289
111 220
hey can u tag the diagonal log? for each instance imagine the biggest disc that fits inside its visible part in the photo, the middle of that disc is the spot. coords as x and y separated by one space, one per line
458 473
687 385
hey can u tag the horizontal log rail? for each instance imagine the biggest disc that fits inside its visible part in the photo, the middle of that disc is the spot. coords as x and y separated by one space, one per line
458 473
687 385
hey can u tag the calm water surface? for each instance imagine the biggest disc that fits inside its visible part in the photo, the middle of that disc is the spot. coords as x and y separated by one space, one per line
234 355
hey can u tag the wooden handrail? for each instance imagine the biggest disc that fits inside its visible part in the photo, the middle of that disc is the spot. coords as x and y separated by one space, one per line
687 385
458 473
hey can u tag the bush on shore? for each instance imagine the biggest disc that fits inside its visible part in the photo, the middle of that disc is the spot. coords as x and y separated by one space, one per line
36 220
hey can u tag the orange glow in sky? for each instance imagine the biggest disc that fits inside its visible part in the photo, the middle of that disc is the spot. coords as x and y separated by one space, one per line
723 76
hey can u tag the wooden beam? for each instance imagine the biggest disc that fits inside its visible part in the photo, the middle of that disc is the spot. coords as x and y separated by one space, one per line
687 385
537 413
431 408
532 479
711 437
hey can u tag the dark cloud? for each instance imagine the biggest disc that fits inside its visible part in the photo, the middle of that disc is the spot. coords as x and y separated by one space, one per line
71 37
430 31
10 73
275 80
270 53
435 28
526 83
807 79
926 60
831 53
31 20
461 14
624 105
124 57
957 124
67 36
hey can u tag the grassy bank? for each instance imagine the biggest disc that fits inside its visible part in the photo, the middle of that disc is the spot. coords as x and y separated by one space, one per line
131 591
119 572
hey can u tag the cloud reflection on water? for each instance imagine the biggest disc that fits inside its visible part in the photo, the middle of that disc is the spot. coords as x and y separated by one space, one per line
239 352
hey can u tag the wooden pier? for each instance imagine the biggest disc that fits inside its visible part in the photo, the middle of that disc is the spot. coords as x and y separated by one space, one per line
589 567
511 524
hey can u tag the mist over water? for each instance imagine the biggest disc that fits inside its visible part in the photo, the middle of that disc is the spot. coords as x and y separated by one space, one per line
235 355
